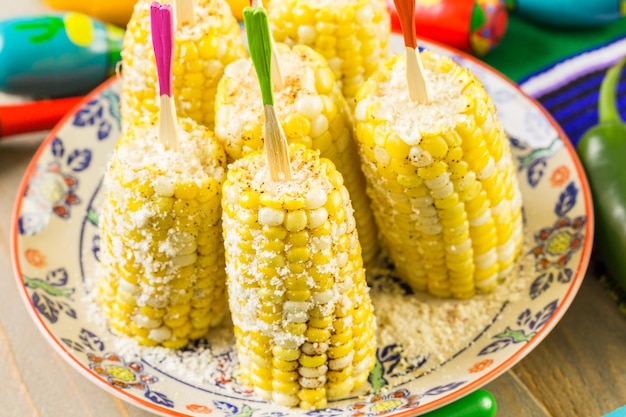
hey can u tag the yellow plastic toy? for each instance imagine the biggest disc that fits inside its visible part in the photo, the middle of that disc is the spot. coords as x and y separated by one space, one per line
116 12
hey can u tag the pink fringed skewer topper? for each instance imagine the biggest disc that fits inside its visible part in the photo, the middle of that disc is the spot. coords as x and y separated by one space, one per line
162 26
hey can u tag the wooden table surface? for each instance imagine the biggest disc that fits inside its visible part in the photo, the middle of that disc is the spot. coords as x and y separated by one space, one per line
578 370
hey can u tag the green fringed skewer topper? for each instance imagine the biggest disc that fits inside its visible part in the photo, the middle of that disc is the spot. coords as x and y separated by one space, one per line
260 46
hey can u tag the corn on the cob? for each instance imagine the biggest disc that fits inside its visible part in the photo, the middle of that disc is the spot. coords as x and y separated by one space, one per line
304 322
201 51
312 111
352 35
162 277
441 178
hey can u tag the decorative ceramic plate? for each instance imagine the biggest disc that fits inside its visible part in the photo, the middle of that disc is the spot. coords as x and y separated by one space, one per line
55 246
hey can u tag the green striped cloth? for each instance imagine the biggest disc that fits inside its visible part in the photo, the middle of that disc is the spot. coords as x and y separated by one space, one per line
528 49
562 68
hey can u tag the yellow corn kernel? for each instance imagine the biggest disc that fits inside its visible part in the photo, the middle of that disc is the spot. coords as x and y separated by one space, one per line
295 221
284 366
321 322
396 147
298 254
274 232
314 334
292 204
312 396
284 376
296 125
298 295
286 354
339 351
312 361
285 387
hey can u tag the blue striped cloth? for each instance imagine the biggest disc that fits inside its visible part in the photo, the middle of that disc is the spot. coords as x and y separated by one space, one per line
569 90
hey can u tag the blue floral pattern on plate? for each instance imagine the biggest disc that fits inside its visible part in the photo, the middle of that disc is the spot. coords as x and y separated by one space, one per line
57 248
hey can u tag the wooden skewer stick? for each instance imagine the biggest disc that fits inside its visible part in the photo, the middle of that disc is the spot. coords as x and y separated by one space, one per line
277 74
162 22
260 46
184 12
418 87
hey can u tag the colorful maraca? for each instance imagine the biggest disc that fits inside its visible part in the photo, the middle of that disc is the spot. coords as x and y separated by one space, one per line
569 13
56 55
475 26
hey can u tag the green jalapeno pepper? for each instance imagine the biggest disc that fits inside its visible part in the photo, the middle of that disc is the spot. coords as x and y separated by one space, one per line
602 151
479 403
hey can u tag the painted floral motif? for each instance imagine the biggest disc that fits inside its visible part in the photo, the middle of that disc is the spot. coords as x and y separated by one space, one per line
119 373
125 375
556 244
380 405
114 106
93 219
327 412
50 191
88 341
52 188
392 362
535 161
226 376
199 408
284 414
35 258
529 324
443 389
560 176
555 247
231 410
114 369
96 113
567 200
50 296
480 366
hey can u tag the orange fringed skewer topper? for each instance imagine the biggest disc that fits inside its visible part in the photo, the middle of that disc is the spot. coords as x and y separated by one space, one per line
418 88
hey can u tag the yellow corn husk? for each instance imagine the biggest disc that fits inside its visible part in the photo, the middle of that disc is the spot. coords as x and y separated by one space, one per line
304 322
441 178
312 112
162 279
352 35
201 52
